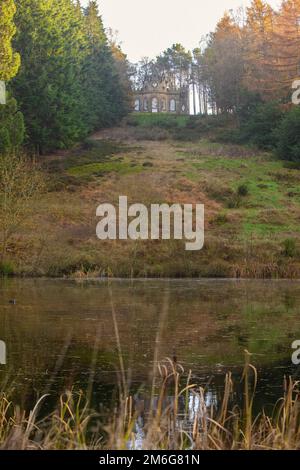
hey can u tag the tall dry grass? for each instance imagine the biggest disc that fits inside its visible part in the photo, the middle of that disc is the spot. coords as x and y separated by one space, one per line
162 424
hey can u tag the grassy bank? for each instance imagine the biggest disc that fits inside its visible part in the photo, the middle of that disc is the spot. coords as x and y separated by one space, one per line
177 418
252 203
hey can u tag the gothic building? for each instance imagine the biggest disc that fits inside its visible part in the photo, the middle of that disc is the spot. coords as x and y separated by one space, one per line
160 97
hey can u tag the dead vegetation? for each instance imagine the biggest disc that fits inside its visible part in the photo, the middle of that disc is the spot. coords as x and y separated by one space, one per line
177 416
251 200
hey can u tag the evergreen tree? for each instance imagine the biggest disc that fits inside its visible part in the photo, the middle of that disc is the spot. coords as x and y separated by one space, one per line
68 83
9 60
105 94
11 120
11 126
287 135
122 93
48 87
175 63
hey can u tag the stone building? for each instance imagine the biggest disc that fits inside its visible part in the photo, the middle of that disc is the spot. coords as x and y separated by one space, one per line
160 97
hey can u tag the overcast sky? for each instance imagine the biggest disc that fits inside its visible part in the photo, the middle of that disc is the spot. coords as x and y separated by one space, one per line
147 27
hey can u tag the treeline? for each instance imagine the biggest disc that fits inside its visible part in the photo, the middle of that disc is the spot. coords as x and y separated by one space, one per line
173 65
245 69
253 52
256 52
71 79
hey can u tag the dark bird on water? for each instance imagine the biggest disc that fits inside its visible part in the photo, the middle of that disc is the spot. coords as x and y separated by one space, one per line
13 301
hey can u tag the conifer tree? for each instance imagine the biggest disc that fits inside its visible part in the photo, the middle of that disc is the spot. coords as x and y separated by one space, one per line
105 94
68 84
11 120
9 60
51 43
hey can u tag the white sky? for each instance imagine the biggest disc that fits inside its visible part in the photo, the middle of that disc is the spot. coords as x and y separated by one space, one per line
147 27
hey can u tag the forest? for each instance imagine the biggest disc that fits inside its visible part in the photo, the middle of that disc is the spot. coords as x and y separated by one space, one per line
67 75
245 70
66 79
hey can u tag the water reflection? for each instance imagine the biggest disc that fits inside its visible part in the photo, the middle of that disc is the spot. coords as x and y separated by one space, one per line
61 334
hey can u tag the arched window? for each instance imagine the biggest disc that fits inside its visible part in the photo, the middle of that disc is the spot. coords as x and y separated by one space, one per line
137 105
163 105
172 105
145 104
154 105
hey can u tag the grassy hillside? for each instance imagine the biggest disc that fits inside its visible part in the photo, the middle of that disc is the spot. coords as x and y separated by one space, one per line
252 203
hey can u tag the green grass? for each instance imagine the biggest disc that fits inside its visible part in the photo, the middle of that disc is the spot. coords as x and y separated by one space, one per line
89 152
99 169
272 189
261 229
165 121
6 269
245 229
91 159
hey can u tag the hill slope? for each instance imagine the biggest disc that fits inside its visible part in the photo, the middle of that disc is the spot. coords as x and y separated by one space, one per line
252 204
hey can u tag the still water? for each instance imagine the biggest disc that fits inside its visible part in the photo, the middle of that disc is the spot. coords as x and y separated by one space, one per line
62 333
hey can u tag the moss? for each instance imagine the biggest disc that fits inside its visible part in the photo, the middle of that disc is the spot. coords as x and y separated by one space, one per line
99 169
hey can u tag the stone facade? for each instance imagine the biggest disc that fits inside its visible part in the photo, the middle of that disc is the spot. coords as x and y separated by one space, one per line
161 98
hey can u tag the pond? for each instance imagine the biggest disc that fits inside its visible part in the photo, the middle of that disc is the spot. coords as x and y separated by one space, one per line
63 334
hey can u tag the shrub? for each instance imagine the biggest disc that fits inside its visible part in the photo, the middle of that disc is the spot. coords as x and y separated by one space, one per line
217 269
289 248
20 182
249 101
243 190
6 269
235 200
258 129
288 136
11 126
221 219
219 192
187 135
228 136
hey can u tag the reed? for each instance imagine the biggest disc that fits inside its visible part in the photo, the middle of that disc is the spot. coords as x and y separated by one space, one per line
163 424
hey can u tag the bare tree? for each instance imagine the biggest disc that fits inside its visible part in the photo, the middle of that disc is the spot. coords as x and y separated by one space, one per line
20 182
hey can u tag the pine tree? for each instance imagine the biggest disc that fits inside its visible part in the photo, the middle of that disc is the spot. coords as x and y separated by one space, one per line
9 60
122 96
175 63
11 120
105 93
68 83
51 41
11 126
